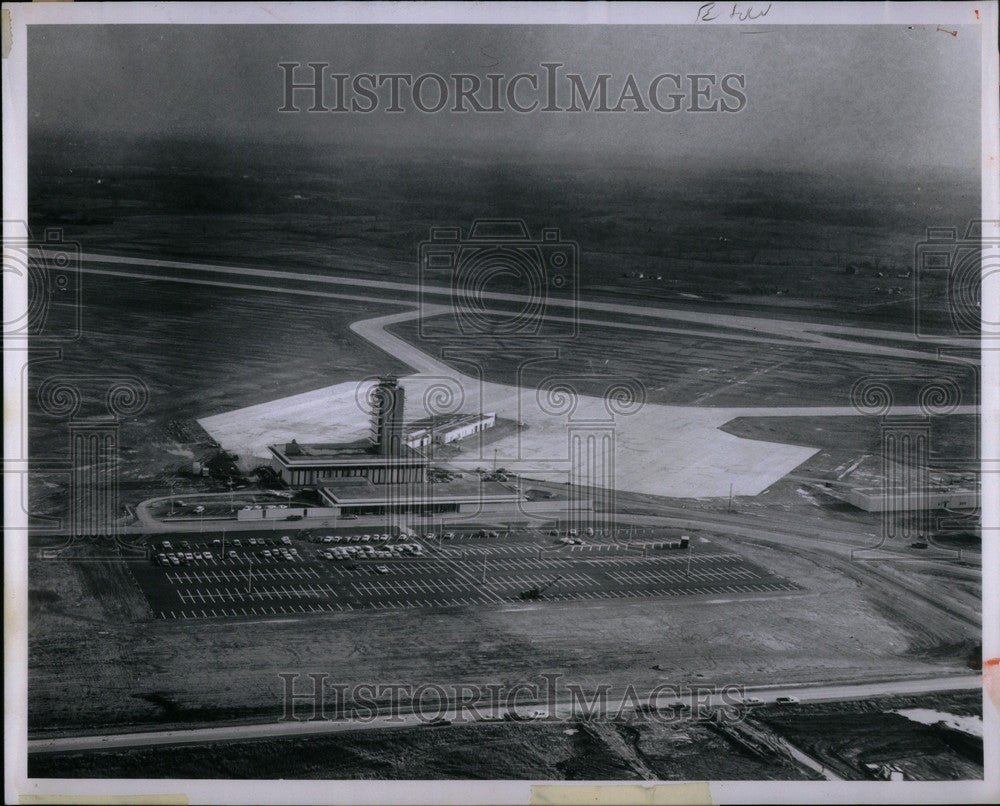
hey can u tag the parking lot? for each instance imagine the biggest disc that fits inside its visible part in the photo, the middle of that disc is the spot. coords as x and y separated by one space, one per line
272 578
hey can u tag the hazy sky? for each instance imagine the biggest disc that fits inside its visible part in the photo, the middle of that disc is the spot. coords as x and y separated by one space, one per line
817 96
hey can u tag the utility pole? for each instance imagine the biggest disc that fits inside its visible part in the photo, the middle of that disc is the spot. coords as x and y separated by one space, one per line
730 496
495 460
172 498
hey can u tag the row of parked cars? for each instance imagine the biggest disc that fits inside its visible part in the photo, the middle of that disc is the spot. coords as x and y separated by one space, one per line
375 538
451 535
281 553
362 552
182 557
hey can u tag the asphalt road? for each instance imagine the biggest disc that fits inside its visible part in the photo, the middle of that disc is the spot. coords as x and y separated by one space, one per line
563 709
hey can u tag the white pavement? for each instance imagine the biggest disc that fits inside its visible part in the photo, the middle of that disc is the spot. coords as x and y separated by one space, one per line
675 451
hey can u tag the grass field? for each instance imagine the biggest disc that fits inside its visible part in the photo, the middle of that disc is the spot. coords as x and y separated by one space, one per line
690 370
197 350
709 234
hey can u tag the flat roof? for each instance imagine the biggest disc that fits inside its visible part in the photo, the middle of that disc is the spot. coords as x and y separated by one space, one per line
363 491
340 453
449 421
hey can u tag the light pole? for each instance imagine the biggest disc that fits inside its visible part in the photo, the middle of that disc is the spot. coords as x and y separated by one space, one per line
172 498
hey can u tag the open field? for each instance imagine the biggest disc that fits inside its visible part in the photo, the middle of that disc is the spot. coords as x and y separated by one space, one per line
704 369
630 747
506 751
196 352
711 241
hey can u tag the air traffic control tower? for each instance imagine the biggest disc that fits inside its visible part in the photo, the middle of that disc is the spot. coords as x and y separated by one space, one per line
388 399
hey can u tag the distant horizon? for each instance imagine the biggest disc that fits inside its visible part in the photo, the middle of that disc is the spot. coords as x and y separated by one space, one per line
192 145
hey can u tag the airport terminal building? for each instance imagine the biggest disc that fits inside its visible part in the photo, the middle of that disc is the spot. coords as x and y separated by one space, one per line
312 464
385 475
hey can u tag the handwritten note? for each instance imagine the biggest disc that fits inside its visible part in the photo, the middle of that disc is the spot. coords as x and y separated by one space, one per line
732 12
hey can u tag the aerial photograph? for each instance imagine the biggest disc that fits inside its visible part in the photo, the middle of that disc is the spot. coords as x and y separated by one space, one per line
503 402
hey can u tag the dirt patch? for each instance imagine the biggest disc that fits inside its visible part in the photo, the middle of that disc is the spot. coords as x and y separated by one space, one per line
853 738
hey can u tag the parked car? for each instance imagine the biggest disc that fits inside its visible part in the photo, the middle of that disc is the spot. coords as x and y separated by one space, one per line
207 555
382 569
787 700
